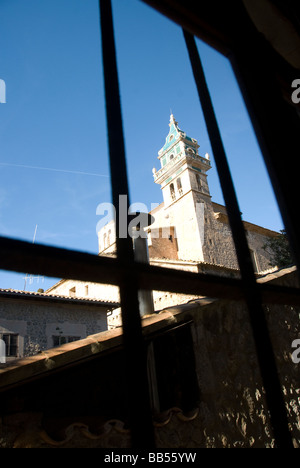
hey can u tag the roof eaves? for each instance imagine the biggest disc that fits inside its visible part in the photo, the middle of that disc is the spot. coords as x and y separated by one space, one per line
26 369
18 294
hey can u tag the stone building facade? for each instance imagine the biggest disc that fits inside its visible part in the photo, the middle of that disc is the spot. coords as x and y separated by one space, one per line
34 322
188 225
90 410
190 232
218 397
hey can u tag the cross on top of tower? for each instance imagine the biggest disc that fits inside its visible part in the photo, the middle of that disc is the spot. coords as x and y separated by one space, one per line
172 120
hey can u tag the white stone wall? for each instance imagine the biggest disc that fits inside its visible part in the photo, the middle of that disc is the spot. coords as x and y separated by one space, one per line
107 236
80 289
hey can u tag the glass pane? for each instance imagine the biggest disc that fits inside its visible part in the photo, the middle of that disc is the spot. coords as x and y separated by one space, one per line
54 163
191 229
54 171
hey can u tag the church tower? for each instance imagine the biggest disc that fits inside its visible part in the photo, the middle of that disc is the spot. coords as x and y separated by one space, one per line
187 200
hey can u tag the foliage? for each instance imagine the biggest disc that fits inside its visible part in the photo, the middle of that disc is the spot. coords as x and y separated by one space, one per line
279 249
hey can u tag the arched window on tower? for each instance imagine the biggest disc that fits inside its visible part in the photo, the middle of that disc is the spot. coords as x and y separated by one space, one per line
199 183
172 192
179 186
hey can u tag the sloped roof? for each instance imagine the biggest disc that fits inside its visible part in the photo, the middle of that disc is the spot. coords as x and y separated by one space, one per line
175 133
69 353
18 294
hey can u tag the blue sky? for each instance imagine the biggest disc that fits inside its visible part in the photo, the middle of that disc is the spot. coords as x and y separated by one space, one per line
53 145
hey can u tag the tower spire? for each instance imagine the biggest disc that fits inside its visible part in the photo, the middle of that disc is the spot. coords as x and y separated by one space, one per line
183 181
172 119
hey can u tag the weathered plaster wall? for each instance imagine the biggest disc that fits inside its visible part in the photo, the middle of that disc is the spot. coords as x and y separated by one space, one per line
36 322
103 292
231 412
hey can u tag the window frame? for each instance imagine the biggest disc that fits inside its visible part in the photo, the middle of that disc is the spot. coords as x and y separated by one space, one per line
179 186
172 192
64 339
20 256
8 344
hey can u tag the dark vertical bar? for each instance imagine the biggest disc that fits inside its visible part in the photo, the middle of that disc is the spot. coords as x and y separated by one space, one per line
265 355
276 124
142 433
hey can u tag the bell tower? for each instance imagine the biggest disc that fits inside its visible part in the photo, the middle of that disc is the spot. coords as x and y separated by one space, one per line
187 201
182 168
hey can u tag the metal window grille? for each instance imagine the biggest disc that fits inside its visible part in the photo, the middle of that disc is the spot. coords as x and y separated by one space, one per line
16 255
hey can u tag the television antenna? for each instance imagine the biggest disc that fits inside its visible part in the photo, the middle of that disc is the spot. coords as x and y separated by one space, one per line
31 278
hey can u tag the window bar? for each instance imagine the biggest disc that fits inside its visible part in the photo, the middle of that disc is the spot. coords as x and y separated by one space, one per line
56 262
264 349
142 432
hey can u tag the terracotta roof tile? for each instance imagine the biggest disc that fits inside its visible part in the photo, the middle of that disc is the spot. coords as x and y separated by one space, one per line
40 295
